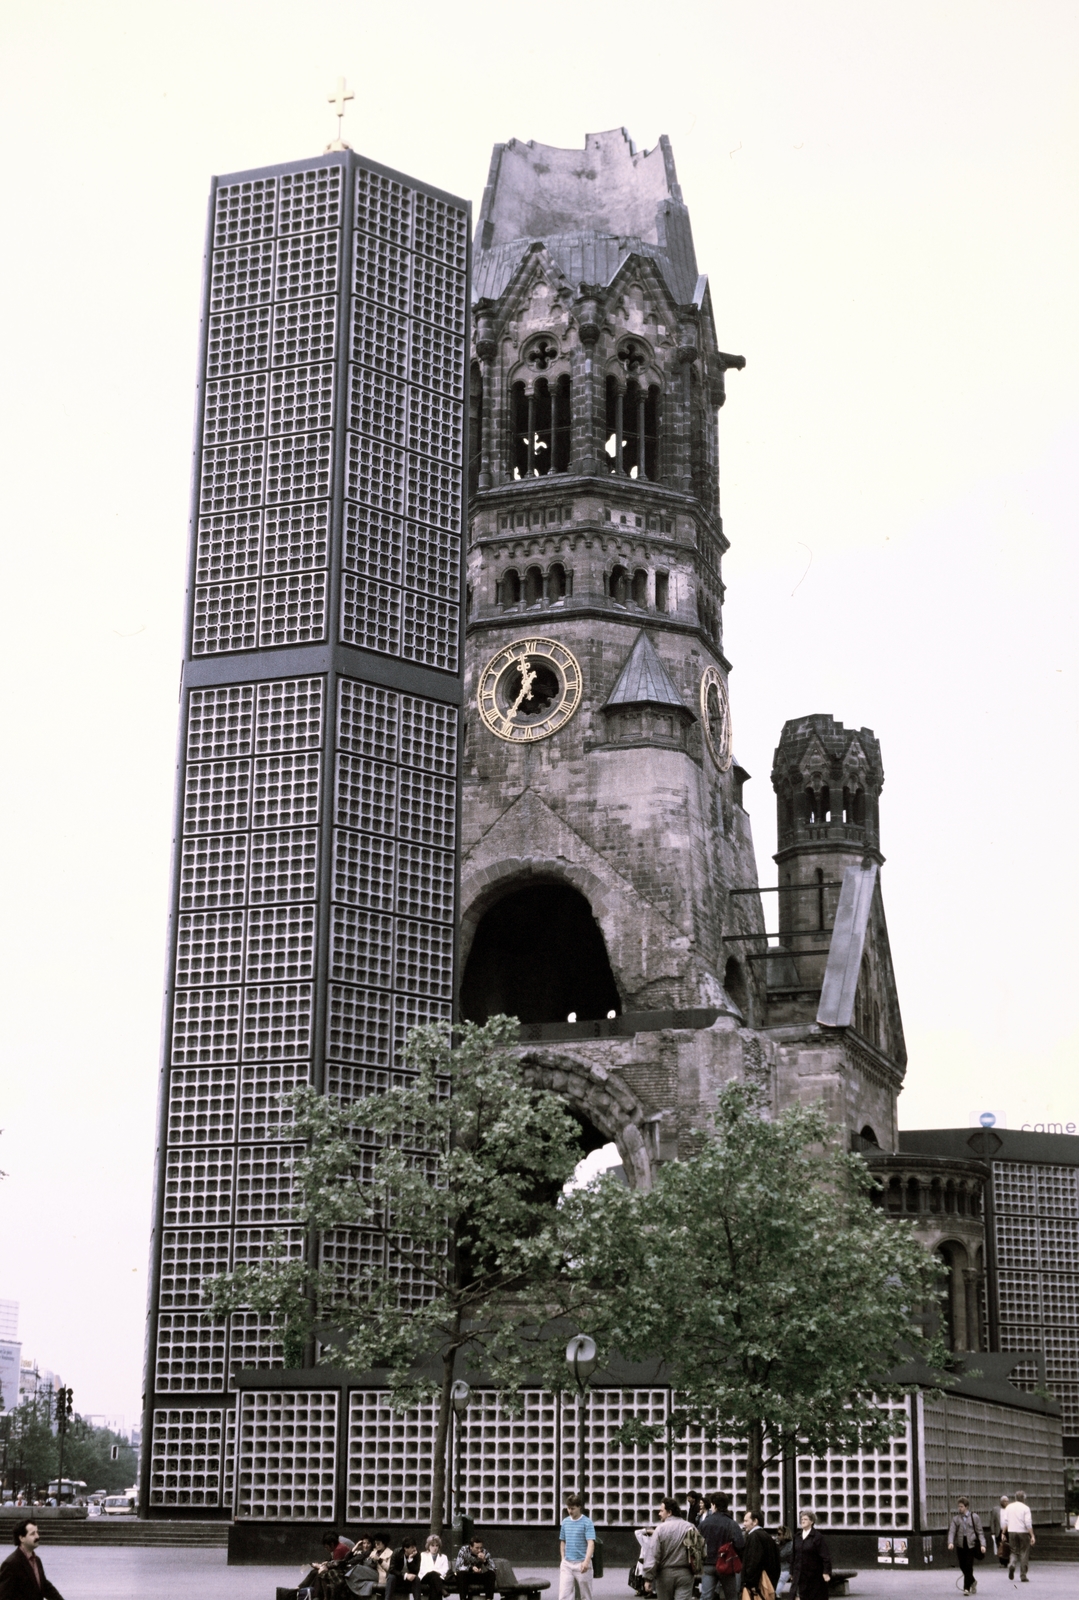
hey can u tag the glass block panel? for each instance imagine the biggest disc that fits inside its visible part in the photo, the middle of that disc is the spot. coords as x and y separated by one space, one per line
438 294
1058 1195
367 720
700 1463
301 399
205 1026
432 562
380 338
430 631
217 796
299 467
389 1459
293 608
188 1255
209 947
373 541
1015 1186
425 883
434 492
375 473
383 207
284 866
1058 1244
366 794
190 1353
303 331
264 1182
254 1244
213 871
238 341
220 722
226 617
358 1028
263 1086
277 1021
361 947
381 272
426 808
307 264
289 715
1017 1241
363 870
370 614
1019 1296
242 275
424 958
254 1343
435 423
1060 1298
440 230
428 735
286 1453
377 404
297 537
280 943
624 1486
186 1456
235 408
510 1464
973 1447
285 789
436 358
198 1186
310 200
202 1102
867 1489
415 1011
229 547
232 476
245 211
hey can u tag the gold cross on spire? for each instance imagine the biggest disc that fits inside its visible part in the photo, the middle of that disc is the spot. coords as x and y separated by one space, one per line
339 98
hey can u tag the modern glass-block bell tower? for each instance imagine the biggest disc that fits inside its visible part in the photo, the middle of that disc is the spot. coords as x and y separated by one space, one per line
314 880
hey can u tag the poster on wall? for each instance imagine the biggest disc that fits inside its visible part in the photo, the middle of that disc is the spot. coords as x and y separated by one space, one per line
884 1551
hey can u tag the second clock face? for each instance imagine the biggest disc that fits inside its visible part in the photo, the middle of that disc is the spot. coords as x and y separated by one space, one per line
716 717
529 690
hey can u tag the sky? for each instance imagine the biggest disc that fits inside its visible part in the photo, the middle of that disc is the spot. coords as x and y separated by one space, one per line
884 198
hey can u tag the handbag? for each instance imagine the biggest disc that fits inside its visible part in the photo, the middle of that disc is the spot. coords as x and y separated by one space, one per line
765 1589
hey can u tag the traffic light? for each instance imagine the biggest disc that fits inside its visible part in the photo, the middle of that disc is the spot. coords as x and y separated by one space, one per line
114 1452
64 1410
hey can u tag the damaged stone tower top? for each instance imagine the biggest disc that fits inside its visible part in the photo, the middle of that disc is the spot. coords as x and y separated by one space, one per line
591 207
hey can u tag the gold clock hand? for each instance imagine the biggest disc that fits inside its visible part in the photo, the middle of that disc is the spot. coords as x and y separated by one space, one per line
528 678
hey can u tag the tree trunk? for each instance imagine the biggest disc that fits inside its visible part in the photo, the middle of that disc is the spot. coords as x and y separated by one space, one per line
442 1432
755 1469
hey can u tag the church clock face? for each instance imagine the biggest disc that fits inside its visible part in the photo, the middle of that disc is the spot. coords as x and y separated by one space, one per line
529 690
716 718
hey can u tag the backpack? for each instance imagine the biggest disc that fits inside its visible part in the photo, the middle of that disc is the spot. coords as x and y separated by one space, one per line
695 1550
728 1561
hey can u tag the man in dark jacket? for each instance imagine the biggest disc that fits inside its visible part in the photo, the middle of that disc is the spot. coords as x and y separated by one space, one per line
719 1529
22 1576
760 1555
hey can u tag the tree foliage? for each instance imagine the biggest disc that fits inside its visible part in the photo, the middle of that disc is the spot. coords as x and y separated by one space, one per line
33 1452
447 1185
778 1294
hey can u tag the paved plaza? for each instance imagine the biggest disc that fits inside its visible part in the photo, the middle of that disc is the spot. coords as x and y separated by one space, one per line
172 1574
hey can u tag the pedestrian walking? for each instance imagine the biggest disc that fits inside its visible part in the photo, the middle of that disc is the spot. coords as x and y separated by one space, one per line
967 1538
577 1542
760 1559
1000 1538
811 1561
22 1576
1015 1522
675 1542
724 1542
785 1541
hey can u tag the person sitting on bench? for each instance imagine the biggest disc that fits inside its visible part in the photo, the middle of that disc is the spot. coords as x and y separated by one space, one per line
474 1569
404 1573
434 1570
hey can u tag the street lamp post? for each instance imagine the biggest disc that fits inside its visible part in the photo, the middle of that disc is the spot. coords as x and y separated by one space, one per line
581 1360
460 1395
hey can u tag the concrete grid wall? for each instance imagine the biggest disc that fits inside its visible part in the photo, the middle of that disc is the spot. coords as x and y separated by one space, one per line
975 1448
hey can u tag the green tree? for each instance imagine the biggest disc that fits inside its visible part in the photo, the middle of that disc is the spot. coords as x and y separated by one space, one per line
779 1295
452 1182
32 1449
88 1455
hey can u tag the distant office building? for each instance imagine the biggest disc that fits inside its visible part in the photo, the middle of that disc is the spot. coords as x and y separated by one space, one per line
314 886
9 1319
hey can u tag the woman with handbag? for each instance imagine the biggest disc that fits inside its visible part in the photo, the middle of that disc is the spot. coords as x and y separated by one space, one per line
811 1562
967 1538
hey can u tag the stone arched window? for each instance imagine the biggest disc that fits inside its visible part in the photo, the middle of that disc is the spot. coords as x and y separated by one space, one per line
640 587
557 582
533 590
509 590
618 585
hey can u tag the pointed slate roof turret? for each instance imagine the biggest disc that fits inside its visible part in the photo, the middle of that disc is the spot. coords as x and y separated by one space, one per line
645 681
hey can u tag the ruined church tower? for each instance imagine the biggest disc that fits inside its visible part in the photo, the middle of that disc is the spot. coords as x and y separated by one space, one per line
608 876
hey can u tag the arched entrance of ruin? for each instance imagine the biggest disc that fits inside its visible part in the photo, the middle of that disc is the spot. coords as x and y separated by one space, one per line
607 1110
538 953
